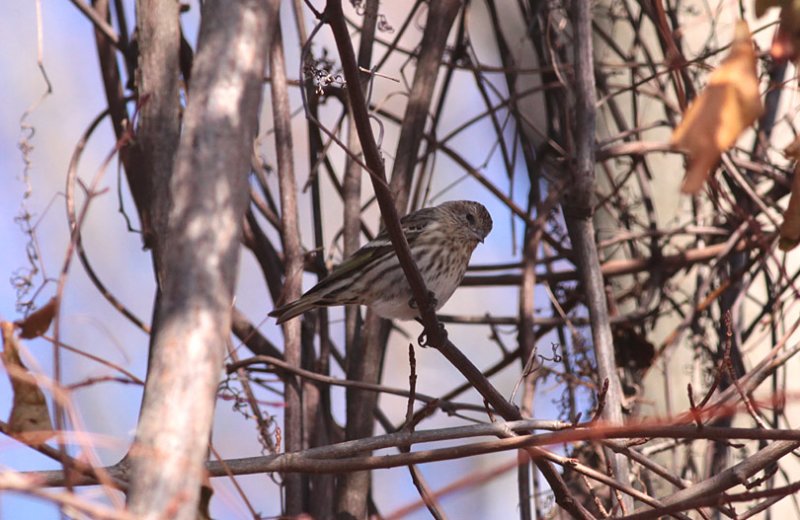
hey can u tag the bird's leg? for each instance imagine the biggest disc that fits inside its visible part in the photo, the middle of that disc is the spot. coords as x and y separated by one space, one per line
431 298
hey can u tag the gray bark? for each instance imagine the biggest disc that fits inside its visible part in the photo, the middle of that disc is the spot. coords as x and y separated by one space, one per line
209 196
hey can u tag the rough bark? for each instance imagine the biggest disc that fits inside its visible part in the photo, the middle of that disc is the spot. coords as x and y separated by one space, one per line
578 211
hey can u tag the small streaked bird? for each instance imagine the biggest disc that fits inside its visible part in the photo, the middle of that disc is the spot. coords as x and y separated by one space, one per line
441 239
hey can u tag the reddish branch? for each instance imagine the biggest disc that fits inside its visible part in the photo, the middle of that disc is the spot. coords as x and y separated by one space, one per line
344 456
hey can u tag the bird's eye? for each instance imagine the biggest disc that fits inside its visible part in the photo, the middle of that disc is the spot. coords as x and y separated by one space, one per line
470 219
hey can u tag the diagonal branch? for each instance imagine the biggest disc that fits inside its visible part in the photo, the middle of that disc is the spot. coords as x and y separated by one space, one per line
334 16
435 333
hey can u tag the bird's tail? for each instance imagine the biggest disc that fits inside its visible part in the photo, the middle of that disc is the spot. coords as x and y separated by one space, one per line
296 308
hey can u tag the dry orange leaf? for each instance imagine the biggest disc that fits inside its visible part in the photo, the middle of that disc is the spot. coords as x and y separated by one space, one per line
29 420
715 120
38 322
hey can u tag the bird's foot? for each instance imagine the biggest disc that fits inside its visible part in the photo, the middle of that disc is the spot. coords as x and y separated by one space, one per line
424 338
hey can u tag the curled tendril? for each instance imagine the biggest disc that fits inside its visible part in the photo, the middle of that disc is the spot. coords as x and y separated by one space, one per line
321 72
384 25
358 5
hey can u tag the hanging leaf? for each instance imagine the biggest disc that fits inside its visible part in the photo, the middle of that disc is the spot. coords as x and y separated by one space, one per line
763 5
38 322
29 421
790 229
723 110
786 41
204 506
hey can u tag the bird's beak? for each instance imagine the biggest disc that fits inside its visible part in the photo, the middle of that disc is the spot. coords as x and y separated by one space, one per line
478 236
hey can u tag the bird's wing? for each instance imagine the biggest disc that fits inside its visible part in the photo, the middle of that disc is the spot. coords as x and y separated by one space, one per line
412 225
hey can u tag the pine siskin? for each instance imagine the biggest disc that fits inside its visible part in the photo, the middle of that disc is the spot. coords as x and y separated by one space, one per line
441 240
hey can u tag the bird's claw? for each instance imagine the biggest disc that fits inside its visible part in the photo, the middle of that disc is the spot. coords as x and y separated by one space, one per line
423 338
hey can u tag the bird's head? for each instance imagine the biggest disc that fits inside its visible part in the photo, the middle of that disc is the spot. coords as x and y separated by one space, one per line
471 218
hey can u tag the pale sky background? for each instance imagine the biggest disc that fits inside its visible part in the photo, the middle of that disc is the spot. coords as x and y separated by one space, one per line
110 409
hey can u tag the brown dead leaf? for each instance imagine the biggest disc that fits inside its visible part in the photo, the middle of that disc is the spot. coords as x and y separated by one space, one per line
717 117
763 5
39 321
786 41
793 150
784 47
29 421
204 506
790 228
